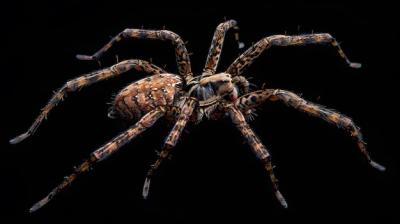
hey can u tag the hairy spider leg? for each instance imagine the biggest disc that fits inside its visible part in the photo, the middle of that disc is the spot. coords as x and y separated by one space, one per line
103 152
86 80
216 46
256 98
181 53
170 142
258 148
242 83
247 58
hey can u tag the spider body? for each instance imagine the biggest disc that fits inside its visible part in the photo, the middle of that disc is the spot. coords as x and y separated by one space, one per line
184 98
145 95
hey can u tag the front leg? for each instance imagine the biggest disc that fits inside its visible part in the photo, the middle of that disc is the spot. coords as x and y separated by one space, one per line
257 147
248 57
216 46
181 53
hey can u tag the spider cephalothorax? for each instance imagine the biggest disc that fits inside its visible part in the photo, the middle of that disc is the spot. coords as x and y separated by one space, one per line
184 97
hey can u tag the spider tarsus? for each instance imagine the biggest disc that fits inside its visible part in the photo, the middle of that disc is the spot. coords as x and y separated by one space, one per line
355 65
377 166
38 205
34 208
19 138
146 187
281 199
85 57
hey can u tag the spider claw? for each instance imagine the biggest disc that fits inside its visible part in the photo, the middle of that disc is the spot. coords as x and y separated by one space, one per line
146 187
39 204
377 166
19 138
84 57
355 65
281 199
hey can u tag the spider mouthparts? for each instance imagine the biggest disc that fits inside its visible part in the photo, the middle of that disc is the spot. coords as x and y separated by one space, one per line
281 199
355 65
377 166
84 57
146 188
19 138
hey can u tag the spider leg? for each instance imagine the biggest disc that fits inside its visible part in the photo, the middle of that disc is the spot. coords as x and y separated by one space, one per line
247 58
257 147
242 83
181 53
102 153
83 81
254 99
216 46
170 142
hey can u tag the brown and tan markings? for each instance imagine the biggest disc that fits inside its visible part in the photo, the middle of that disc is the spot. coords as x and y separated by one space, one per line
185 98
181 53
248 57
257 147
171 141
216 46
103 152
86 80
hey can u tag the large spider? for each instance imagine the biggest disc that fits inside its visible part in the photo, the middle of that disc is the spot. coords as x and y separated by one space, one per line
185 97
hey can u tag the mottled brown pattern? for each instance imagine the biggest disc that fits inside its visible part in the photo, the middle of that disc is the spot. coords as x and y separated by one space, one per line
171 140
186 98
103 152
146 94
242 84
181 53
248 57
86 80
257 147
145 122
256 98
216 47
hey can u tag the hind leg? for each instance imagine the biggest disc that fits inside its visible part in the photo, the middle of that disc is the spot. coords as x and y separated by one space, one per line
102 153
170 142
256 98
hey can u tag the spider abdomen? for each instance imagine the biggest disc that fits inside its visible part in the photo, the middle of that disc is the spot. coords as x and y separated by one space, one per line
145 95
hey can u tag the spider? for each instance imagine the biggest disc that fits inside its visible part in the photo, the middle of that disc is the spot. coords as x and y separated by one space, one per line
185 98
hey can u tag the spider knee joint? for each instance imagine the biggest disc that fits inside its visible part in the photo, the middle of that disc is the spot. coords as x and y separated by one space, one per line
125 32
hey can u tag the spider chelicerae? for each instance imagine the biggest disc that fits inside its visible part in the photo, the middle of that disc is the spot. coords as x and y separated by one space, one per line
187 98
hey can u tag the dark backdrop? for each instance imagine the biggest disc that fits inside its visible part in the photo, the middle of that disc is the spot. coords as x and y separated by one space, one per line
213 176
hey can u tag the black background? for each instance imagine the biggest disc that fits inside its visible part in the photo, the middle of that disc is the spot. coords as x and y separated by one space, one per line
213 176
